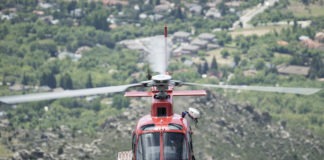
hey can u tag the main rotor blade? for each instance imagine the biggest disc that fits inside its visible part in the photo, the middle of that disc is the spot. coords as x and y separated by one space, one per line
303 91
65 94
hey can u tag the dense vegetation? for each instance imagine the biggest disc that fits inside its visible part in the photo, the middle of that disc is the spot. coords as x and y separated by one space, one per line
31 50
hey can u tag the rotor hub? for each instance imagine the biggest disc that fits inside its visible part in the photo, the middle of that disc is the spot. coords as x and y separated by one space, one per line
161 79
161 82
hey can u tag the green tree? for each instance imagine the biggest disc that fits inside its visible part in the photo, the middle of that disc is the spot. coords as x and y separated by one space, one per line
259 64
316 67
306 2
222 8
66 81
203 2
237 59
72 6
51 80
60 150
89 82
199 69
119 101
178 13
223 38
45 45
98 19
214 65
241 24
3 31
48 79
205 67
224 53
25 79
295 25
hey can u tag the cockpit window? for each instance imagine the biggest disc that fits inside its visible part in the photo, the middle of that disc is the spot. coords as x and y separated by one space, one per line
175 147
148 127
148 147
173 126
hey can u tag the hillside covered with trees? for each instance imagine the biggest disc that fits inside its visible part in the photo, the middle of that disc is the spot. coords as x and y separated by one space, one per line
54 45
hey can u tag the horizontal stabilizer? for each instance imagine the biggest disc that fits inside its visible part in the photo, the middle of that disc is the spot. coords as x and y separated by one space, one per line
138 94
189 93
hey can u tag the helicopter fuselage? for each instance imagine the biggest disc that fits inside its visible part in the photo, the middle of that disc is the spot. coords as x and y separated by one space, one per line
162 135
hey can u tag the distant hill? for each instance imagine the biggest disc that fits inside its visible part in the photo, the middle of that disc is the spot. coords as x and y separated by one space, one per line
226 130
239 131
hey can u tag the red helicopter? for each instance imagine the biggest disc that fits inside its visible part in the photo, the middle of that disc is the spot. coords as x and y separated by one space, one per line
162 134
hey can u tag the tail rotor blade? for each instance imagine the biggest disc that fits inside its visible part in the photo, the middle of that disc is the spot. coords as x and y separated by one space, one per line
302 91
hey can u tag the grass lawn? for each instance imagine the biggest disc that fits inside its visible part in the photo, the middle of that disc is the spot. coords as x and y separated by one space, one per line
299 10
280 55
220 60
259 30
4 153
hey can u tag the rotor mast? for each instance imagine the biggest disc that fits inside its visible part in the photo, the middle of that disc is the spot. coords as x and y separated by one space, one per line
166 46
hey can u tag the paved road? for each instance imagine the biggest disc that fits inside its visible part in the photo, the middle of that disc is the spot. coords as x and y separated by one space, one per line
252 12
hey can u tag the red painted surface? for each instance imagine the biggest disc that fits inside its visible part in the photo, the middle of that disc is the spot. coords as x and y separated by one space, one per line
161 123
174 93
190 93
138 94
